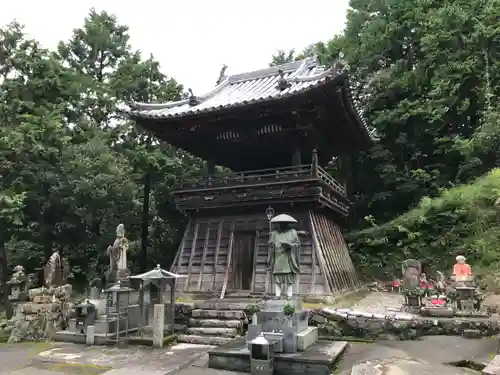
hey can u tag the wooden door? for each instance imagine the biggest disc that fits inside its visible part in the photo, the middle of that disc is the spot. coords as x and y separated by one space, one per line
242 262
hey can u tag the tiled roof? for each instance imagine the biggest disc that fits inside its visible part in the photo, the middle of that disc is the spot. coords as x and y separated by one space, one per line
246 88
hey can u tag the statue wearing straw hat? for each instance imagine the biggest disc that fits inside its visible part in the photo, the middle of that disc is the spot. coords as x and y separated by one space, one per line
283 259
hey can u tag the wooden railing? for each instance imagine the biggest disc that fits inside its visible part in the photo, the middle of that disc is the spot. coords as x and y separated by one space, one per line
262 177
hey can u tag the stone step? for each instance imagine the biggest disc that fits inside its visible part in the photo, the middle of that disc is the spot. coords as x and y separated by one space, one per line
212 331
193 322
225 304
218 314
204 340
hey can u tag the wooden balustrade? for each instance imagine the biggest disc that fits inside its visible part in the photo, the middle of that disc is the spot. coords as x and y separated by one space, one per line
305 172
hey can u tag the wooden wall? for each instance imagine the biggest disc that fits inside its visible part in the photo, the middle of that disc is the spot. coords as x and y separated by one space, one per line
214 255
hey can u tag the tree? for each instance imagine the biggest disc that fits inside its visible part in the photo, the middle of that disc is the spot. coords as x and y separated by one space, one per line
281 57
94 53
420 73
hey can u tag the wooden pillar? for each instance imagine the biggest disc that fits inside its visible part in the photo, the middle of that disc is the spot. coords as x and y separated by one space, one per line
314 163
296 156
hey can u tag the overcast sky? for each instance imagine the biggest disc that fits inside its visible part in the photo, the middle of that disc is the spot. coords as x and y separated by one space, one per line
192 39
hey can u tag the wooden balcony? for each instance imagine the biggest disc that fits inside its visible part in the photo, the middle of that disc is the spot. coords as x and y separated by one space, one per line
262 177
303 183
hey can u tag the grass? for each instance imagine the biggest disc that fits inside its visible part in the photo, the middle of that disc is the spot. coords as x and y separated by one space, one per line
32 347
75 368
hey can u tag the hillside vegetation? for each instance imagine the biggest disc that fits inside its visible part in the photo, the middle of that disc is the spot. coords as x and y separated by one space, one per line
461 220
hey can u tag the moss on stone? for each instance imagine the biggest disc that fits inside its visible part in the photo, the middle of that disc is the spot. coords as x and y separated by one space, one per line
77 368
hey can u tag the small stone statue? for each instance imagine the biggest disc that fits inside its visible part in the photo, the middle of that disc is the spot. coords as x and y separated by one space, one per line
283 259
118 253
461 268
412 270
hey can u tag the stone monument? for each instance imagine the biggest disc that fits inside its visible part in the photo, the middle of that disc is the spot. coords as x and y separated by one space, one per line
283 259
56 270
118 268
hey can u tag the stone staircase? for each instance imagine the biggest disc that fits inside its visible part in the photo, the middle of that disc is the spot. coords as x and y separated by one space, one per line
216 321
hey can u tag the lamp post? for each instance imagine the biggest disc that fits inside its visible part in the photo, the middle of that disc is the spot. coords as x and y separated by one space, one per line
269 215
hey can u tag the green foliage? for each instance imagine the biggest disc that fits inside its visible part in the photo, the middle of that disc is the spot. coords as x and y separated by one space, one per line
71 167
252 309
288 309
461 220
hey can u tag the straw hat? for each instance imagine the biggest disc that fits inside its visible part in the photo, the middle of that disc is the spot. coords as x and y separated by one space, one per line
283 218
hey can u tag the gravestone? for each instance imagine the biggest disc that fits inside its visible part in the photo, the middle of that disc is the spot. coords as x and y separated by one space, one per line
285 331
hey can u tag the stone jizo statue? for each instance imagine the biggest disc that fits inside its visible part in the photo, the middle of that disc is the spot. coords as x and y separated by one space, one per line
461 268
412 270
283 259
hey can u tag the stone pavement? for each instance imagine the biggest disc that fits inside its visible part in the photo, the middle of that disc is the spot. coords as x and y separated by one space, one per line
72 359
379 302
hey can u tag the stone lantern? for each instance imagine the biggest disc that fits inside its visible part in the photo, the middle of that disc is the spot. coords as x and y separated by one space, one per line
117 308
261 356
18 284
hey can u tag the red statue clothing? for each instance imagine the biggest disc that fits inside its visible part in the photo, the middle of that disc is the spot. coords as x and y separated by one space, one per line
462 270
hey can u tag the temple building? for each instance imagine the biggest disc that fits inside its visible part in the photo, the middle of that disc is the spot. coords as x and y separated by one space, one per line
276 129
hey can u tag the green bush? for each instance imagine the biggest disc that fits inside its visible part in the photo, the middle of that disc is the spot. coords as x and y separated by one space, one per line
462 220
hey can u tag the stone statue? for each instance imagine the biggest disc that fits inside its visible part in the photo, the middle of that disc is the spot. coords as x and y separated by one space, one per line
283 259
412 270
118 254
52 271
461 268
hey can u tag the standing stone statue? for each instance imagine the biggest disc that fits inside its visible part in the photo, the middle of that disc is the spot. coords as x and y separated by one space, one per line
118 255
283 259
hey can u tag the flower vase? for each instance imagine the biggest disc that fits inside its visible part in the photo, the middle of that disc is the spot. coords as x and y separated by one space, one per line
254 319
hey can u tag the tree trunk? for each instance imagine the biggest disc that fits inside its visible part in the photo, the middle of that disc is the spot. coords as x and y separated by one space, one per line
4 277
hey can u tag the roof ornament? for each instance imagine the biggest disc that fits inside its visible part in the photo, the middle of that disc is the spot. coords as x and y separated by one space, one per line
222 75
193 100
283 84
340 65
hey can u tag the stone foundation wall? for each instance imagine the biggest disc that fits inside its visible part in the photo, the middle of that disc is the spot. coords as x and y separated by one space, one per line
350 323
46 311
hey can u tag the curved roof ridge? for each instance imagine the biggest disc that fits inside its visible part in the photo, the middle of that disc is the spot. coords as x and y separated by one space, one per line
296 68
167 105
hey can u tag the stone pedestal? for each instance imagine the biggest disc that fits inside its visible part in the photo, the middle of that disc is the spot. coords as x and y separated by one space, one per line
288 333
158 325
123 277
95 293
90 336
